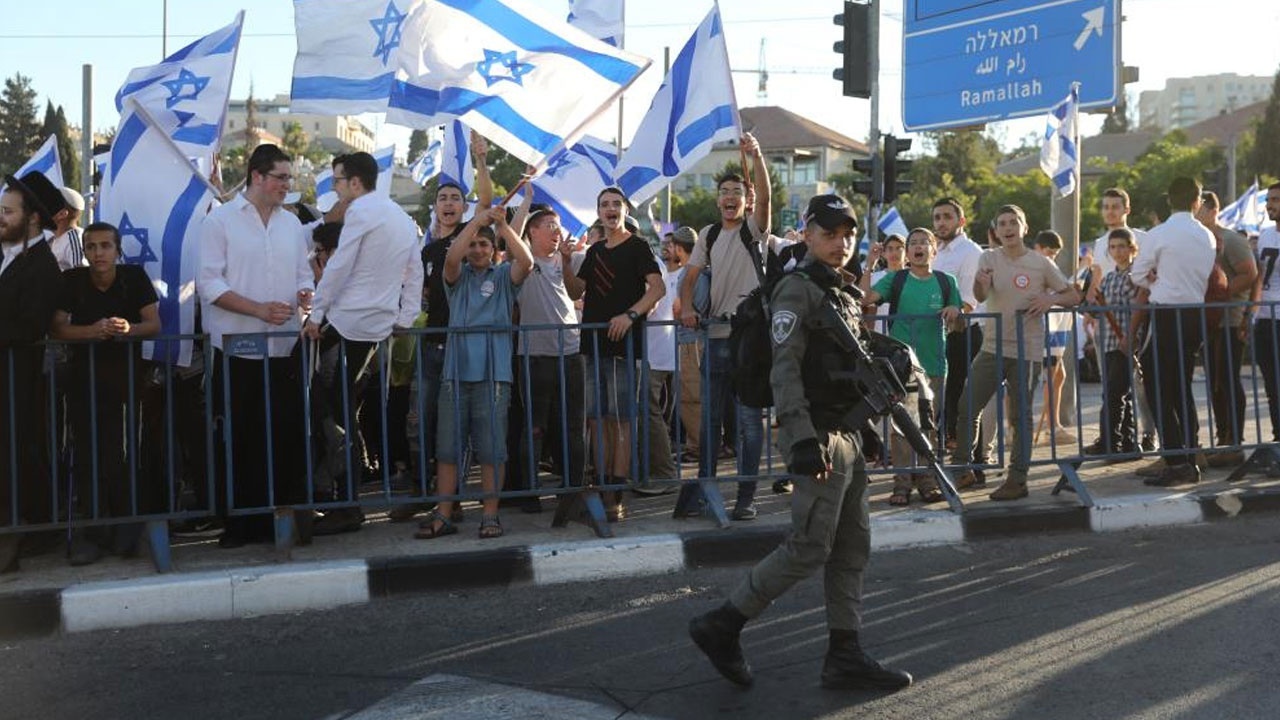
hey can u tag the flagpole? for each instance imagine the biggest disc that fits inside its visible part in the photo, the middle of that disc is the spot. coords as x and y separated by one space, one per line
622 45
86 139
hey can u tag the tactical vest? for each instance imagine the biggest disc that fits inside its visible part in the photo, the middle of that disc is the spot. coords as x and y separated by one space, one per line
824 362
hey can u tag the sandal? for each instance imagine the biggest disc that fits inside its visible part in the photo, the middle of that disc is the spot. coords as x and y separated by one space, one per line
930 494
900 497
490 527
436 525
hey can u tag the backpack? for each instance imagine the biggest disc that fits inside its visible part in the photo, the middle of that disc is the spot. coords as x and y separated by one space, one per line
750 347
1216 292
900 281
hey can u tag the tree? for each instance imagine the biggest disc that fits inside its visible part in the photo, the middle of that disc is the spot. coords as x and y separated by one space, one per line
418 142
19 129
250 122
1148 178
1264 157
295 142
55 123
1117 121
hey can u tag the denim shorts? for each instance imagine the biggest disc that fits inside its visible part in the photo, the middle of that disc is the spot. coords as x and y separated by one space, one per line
473 413
612 391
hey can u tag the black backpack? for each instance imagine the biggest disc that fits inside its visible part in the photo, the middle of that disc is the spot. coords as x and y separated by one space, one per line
900 280
750 347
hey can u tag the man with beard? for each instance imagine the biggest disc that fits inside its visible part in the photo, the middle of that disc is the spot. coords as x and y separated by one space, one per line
30 283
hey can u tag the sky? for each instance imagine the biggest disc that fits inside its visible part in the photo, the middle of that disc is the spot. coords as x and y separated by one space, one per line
50 41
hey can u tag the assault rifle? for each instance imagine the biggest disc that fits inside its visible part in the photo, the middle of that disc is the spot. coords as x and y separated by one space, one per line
883 392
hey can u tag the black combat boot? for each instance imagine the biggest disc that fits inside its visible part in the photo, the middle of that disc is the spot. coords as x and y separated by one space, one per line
848 668
716 634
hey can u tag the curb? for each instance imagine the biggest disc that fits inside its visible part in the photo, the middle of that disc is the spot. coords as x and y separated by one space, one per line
257 591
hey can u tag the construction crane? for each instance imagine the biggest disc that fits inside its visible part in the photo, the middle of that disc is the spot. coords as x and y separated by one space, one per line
762 90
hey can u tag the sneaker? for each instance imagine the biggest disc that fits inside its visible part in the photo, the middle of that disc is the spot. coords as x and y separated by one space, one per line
1062 436
744 512
1149 443
781 487
1010 489
1186 474
1097 447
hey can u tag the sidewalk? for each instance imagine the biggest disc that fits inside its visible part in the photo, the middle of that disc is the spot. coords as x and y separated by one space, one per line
383 559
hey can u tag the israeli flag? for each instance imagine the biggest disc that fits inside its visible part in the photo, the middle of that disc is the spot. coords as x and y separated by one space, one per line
158 201
601 19
348 53
187 93
326 197
456 165
517 75
573 178
1248 212
1059 155
386 159
694 109
46 161
428 164
891 223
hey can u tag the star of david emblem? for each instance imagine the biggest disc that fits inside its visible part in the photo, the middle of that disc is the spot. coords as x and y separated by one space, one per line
563 161
497 67
185 78
143 236
388 29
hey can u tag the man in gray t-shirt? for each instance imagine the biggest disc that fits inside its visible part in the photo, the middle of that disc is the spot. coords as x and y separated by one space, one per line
550 371
1226 343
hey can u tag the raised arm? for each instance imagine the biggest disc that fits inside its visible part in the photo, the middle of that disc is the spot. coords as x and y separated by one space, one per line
518 251
760 177
484 184
461 244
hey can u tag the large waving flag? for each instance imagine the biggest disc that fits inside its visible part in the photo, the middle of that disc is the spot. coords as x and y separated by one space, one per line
427 165
348 53
519 76
46 161
694 109
573 178
187 93
601 19
158 200
1059 156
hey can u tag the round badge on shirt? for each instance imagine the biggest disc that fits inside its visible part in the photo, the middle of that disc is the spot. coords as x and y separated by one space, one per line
1021 281
486 288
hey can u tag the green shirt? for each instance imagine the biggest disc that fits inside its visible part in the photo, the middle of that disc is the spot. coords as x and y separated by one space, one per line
925 335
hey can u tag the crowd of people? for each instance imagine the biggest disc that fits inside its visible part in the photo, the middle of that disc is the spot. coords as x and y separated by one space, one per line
596 360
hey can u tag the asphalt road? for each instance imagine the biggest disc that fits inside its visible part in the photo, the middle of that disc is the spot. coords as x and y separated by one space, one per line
1175 623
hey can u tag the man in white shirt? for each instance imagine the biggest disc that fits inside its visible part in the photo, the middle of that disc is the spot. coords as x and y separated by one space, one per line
66 245
958 255
371 285
252 278
1266 327
1174 262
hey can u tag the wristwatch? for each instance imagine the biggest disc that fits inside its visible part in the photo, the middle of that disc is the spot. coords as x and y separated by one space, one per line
633 315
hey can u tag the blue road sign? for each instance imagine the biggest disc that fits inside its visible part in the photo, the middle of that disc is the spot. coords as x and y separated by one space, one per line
967 62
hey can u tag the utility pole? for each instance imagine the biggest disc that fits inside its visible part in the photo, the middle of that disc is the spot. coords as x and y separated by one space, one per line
666 70
86 138
877 177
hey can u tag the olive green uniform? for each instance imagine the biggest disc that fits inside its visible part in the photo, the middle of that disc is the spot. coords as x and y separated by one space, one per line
830 520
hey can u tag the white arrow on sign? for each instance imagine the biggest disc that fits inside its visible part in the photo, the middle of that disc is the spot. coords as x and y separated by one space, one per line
1093 23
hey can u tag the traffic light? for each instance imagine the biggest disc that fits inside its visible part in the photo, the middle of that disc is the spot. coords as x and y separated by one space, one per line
855 73
895 167
867 166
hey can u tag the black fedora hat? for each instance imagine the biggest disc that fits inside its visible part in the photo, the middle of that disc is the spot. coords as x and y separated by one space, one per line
40 193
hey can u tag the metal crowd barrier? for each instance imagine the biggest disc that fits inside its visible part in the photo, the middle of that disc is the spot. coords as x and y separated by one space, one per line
173 463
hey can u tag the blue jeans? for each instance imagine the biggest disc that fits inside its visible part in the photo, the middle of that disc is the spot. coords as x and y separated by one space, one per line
750 439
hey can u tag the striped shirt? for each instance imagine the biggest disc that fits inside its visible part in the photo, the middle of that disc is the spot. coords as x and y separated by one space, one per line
68 249
1117 290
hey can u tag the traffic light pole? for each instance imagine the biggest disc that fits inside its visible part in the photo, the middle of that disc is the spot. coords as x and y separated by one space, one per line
873 141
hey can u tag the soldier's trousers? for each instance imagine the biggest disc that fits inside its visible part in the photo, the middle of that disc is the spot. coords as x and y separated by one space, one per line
830 529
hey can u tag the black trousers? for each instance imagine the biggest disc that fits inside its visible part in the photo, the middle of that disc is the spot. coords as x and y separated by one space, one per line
556 413
1225 353
962 348
1168 363
243 394
1266 353
336 393
1117 420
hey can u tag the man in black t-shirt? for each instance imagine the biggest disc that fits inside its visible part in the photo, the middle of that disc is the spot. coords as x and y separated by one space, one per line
621 283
